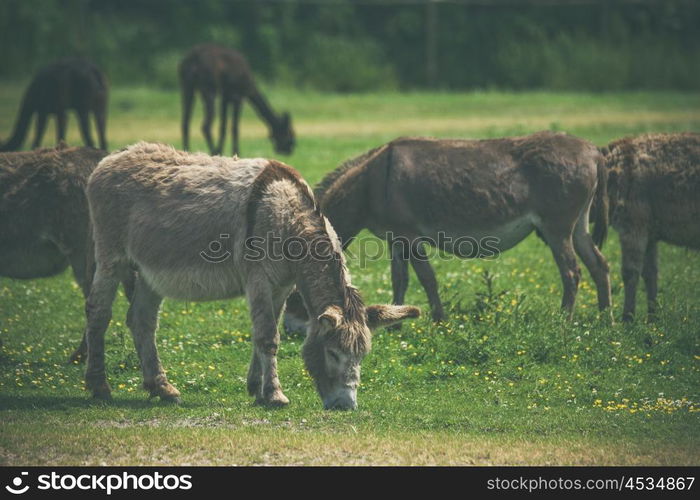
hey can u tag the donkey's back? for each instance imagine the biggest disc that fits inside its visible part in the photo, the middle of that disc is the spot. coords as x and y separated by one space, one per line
654 181
43 211
172 214
485 187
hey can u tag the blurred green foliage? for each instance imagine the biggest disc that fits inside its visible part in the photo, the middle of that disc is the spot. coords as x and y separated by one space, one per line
341 45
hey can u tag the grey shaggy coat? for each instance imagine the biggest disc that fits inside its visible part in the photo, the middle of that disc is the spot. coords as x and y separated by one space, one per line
184 222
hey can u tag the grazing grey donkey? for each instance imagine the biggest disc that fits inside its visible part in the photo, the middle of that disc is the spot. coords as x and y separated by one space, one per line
201 228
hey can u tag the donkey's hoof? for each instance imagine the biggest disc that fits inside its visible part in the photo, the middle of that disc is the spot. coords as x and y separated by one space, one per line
101 391
102 396
439 317
275 400
165 392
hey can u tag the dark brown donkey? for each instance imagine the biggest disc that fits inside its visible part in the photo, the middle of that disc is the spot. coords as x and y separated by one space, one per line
44 219
472 198
63 85
212 69
653 185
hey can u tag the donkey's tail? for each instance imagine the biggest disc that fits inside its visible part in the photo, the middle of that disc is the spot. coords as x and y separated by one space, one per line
599 209
19 133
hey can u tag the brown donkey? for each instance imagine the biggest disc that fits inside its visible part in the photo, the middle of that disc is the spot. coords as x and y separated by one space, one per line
212 69
653 186
492 192
44 219
66 84
209 228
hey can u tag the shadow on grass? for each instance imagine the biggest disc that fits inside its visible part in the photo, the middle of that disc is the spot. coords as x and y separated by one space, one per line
60 403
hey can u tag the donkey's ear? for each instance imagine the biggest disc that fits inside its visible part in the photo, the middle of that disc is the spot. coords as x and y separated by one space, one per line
378 315
331 318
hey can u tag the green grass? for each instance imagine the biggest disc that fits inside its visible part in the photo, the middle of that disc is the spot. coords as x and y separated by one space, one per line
506 381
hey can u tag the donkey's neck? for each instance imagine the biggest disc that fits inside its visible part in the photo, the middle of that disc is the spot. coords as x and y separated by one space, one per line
262 106
346 203
319 284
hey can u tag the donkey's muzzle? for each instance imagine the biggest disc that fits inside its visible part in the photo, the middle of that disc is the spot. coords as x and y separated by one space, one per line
341 403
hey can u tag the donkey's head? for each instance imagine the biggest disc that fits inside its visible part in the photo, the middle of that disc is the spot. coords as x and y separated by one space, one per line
282 135
335 344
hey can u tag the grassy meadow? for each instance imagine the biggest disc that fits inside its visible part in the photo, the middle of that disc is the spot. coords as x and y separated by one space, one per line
506 381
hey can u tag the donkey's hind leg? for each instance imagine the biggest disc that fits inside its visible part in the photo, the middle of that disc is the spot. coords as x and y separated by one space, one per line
563 251
101 124
208 96
187 104
41 118
84 126
223 118
61 122
593 260
80 353
98 310
81 268
265 310
142 320
237 106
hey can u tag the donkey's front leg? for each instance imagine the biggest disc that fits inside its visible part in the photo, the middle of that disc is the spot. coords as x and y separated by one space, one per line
263 382
399 274
426 276
650 273
634 247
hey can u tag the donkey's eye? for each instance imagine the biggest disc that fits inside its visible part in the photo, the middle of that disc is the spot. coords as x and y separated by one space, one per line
334 355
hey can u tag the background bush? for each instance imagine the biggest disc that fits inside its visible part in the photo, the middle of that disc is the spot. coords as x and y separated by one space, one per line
346 46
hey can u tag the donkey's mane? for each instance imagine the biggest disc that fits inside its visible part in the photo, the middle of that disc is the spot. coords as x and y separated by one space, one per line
274 171
353 336
354 339
336 174
326 241
327 245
